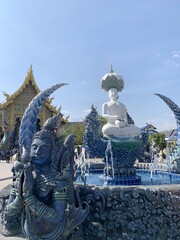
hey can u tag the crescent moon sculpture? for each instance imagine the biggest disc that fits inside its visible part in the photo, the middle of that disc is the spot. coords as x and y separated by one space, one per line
175 109
175 155
28 122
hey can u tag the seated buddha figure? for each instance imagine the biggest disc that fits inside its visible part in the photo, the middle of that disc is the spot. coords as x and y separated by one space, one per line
115 112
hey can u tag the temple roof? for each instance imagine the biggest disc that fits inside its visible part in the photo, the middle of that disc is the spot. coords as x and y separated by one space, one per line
171 135
29 78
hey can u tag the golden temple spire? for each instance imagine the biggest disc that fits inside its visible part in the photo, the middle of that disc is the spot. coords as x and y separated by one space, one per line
30 69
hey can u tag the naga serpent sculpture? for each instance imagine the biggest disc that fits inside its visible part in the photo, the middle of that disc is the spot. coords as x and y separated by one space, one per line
176 110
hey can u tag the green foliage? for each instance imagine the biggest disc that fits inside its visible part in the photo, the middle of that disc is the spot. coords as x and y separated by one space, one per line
158 140
102 120
76 128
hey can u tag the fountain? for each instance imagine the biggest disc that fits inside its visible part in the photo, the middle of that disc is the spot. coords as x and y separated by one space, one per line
51 206
121 141
84 166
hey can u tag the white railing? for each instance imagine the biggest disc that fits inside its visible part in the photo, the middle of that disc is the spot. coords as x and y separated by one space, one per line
149 166
6 178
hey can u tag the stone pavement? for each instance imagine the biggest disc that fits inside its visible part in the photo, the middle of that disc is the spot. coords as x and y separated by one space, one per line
11 238
5 171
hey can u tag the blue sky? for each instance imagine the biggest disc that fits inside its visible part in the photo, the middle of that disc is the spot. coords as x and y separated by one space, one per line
74 41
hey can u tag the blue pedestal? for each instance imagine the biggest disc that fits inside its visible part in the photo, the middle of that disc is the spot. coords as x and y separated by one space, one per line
121 155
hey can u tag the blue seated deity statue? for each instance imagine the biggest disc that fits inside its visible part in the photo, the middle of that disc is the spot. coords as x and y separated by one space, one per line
44 194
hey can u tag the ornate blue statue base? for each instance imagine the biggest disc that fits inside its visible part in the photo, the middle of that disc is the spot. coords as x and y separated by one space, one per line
120 156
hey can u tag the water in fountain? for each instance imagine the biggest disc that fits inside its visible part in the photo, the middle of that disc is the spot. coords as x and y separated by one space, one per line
107 177
154 164
106 169
108 173
84 165
169 162
151 168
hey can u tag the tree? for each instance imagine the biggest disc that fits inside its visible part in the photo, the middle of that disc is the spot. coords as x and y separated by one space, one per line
102 120
158 140
77 129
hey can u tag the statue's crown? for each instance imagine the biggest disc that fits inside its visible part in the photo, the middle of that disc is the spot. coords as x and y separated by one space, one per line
112 80
52 123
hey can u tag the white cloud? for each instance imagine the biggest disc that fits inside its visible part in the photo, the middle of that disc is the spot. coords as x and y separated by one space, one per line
172 62
170 115
163 124
173 59
176 54
65 113
87 110
83 82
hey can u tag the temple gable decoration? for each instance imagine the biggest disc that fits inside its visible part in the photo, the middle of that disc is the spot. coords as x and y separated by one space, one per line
15 104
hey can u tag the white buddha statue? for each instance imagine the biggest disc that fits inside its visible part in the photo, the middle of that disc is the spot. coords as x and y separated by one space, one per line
114 111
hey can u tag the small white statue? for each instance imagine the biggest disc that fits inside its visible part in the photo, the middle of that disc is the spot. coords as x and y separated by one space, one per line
114 111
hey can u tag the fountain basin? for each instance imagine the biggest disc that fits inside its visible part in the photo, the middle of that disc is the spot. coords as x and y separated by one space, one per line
137 213
134 180
144 177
